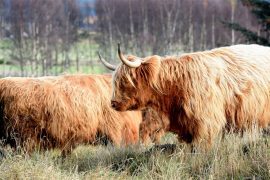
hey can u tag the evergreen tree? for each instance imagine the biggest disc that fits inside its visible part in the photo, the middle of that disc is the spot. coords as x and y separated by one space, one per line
261 9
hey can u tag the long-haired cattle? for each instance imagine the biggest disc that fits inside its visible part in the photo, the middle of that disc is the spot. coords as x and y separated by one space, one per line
61 112
202 93
153 125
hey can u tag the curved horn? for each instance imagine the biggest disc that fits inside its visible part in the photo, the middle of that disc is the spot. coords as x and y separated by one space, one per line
106 64
132 64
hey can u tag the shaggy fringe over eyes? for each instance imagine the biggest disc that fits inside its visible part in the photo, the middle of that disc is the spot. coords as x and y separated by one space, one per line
147 72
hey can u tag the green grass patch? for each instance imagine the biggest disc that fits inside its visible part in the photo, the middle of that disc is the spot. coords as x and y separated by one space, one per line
84 51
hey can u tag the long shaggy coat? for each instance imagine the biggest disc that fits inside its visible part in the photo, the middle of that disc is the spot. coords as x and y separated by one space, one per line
202 93
153 126
61 112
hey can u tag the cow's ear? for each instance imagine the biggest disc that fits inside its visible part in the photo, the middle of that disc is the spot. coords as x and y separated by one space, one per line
150 68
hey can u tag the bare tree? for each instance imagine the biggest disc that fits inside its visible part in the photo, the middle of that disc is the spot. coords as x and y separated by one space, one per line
167 27
233 7
40 29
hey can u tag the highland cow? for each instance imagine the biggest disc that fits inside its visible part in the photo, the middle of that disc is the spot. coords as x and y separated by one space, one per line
61 112
153 126
202 93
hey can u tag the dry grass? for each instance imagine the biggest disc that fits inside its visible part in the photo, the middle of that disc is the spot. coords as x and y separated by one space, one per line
231 158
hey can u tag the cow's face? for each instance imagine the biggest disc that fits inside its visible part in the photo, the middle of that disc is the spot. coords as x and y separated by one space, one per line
127 89
133 86
133 81
124 94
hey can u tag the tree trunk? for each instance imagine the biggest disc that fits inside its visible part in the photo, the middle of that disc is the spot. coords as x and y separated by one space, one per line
77 58
190 30
145 27
233 6
213 32
132 31
56 60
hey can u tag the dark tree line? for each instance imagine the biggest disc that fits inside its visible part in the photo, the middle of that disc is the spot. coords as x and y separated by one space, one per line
165 27
261 10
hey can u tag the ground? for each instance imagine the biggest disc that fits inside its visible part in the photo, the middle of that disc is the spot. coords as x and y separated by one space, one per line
233 157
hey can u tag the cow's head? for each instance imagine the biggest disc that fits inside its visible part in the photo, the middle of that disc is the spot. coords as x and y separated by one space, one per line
134 81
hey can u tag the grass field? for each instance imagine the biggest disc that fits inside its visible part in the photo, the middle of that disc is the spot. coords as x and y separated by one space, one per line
83 50
230 158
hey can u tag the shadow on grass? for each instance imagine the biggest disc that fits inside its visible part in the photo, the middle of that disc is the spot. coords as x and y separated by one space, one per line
130 159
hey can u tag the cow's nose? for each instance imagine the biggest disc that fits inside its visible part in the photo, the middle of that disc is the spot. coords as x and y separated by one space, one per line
114 104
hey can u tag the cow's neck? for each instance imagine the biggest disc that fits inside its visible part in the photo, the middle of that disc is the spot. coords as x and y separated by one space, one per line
170 89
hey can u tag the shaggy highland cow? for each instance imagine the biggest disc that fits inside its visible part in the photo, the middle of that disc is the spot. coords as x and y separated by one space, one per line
202 93
153 126
61 112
